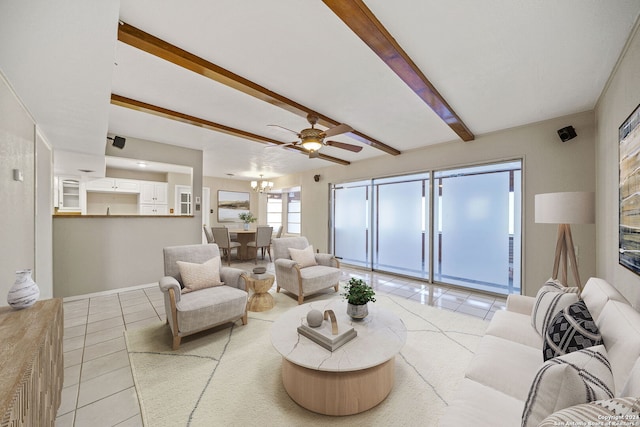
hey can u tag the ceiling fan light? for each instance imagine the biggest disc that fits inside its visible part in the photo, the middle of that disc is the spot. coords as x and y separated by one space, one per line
254 184
311 143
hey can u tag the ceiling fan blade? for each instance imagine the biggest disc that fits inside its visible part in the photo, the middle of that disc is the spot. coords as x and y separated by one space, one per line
290 144
345 146
337 130
284 128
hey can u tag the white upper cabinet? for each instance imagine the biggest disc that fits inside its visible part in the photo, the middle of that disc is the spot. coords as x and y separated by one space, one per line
114 185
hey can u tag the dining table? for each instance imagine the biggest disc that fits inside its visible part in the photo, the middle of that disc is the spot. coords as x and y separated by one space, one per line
244 237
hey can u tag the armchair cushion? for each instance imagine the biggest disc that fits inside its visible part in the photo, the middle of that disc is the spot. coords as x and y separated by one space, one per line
304 257
199 276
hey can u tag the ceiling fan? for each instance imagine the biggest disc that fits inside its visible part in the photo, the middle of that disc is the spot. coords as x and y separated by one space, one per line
312 139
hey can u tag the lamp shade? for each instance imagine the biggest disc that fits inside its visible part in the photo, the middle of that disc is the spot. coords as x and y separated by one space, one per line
565 208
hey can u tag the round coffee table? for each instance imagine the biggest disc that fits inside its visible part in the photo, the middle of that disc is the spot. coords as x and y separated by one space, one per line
261 299
351 379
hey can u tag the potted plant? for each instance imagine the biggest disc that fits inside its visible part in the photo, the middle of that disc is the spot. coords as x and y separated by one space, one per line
247 218
358 294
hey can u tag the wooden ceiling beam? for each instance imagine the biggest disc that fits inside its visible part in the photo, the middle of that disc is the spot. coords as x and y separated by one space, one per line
365 25
143 107
162 49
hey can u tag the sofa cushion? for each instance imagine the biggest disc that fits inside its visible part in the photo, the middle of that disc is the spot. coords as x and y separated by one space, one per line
572 329
623 411
209 307
596 293
481 406
579 377
619 324
304 257
514 327
199 276
504 365
548 304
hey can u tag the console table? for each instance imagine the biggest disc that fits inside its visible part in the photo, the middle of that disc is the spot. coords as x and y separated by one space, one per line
32 369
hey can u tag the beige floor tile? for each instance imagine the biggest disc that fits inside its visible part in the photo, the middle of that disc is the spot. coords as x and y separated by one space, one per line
134 301
65 420
139 293
105 324
144 323
140 306
109 314
103 413
71 375
104 348
479 302
68 399
75 331
76 321
73 357
148 312
75 343
105 364
135 421
105 385
450 304
104 335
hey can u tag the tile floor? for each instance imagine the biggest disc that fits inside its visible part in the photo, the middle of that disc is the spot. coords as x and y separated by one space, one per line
98 384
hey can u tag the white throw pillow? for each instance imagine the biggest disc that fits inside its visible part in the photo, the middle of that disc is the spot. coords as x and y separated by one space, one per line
623 411
549 303
200 276
572 379
556 285
304 257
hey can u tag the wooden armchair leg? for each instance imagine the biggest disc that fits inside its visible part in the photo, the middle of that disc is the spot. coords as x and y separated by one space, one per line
245 318
336 287
300 299
176 342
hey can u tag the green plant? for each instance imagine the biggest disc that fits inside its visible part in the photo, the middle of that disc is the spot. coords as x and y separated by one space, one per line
357 292
247 217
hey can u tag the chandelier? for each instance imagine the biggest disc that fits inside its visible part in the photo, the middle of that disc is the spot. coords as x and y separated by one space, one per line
261 186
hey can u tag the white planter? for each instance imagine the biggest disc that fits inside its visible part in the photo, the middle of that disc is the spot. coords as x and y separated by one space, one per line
24 292
357 311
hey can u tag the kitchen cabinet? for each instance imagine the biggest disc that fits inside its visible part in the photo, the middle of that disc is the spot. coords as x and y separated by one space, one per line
153 198
68 195
114 185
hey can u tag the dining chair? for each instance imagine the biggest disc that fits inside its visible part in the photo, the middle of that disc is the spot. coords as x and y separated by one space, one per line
263 241
222 239
208 234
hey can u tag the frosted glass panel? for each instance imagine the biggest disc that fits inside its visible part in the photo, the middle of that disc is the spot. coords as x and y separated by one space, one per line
351 214
399 233
478 223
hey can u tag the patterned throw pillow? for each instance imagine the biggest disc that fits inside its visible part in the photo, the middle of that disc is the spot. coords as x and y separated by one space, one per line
200 276
304 257
621 411
556 285
548 303
572 329
575 378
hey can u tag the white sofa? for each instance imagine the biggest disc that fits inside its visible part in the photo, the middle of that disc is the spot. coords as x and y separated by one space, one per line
498 380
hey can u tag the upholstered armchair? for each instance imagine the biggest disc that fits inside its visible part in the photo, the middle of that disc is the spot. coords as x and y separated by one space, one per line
193 309
302 272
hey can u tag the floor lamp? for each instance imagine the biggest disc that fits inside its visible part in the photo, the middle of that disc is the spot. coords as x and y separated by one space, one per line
565 209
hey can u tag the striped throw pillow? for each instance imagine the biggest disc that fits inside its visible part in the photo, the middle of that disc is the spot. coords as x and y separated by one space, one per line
622 411
548 303
572 329
575 378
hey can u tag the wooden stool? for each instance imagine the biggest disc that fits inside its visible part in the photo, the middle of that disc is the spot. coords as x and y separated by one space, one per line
261 300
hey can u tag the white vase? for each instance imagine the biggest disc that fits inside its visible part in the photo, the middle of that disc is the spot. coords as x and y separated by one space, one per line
24 292
357 311
246 225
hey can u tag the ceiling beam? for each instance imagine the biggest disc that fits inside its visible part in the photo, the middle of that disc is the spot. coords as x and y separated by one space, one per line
162 49
133 104
365 25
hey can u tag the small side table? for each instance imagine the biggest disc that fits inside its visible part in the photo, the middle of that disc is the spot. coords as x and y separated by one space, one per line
261 300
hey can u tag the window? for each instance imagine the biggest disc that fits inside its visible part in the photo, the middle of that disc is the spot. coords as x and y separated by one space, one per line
293 212
474 212
274 210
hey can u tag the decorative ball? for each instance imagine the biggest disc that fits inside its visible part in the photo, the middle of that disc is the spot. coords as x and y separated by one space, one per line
314 318
259 270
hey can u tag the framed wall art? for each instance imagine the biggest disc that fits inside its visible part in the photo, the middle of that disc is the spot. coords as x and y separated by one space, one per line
231 204
629 192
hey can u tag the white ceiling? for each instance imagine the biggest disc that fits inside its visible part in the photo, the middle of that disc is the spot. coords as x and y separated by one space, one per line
498 63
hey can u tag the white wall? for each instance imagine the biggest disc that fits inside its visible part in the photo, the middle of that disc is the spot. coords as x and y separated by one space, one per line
549 166
20 223
618 100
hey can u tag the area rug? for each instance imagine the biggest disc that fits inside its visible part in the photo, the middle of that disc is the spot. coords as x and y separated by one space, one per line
232 376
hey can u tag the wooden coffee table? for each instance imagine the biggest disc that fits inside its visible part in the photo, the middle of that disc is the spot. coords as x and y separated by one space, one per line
355 377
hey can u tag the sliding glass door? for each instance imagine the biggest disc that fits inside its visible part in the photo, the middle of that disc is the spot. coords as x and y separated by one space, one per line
475 218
